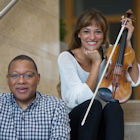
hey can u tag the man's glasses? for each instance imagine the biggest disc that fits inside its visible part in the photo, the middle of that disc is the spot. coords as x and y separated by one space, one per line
27 75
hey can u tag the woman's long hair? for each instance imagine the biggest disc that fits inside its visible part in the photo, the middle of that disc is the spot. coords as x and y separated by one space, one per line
84 20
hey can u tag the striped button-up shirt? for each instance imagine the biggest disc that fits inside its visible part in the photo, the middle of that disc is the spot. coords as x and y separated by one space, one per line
46 118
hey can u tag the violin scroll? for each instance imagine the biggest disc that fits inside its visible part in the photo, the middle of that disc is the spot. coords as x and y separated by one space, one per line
129 14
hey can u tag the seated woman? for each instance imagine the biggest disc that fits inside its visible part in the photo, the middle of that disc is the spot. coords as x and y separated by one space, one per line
80 69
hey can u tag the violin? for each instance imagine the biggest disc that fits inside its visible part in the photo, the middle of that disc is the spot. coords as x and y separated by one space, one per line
115 86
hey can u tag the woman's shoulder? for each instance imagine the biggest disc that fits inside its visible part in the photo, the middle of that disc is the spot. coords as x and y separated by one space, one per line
65 58
65 55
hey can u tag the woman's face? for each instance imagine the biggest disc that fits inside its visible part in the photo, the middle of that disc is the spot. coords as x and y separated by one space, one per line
91 37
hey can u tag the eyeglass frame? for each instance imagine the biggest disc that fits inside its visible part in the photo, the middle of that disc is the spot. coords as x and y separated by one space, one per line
25 75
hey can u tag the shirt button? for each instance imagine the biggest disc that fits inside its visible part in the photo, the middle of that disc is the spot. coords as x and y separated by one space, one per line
23 116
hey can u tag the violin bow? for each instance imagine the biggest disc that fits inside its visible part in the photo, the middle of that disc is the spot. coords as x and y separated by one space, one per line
105 69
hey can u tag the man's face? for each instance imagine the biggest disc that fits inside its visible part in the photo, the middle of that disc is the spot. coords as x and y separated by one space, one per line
23 80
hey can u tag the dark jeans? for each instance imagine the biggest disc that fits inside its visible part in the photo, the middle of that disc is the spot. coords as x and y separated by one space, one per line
101 124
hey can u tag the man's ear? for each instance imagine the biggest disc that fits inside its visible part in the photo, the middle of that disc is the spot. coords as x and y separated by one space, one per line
38 77
7 78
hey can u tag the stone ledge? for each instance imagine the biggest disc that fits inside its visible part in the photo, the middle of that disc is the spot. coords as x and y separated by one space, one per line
132 131
131 111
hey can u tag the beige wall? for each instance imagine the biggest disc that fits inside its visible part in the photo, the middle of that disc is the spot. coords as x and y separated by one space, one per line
31 27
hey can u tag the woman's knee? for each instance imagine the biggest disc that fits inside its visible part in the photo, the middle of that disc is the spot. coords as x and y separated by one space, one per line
78 112
96 108
113 109
95 113
81 108
114 121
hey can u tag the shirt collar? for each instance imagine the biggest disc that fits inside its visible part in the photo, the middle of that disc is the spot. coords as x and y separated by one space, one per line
31 105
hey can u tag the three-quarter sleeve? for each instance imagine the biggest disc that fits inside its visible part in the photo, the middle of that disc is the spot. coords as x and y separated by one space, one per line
133 84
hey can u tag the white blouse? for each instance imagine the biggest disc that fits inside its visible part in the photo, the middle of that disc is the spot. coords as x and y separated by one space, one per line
74 89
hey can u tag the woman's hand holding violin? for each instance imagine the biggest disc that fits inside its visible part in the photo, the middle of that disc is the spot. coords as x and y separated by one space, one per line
130 27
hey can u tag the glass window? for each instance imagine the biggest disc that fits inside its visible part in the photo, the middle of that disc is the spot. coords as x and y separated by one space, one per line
106 6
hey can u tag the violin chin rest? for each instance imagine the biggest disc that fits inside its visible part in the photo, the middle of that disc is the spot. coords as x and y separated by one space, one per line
106 95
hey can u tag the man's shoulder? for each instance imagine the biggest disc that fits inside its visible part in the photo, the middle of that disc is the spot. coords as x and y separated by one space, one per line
51 98
51 102
4 98
4 95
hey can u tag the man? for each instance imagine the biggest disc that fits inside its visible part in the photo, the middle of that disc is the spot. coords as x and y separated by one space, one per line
26 114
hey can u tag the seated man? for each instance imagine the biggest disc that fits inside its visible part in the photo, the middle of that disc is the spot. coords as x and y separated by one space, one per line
26 114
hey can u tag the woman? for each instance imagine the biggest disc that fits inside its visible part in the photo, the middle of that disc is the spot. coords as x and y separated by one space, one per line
80 69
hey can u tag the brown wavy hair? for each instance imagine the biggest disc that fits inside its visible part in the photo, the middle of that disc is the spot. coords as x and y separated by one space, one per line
84 20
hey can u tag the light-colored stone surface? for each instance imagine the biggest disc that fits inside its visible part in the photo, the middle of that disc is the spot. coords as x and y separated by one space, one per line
131 111
132 131
132 119
31 27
